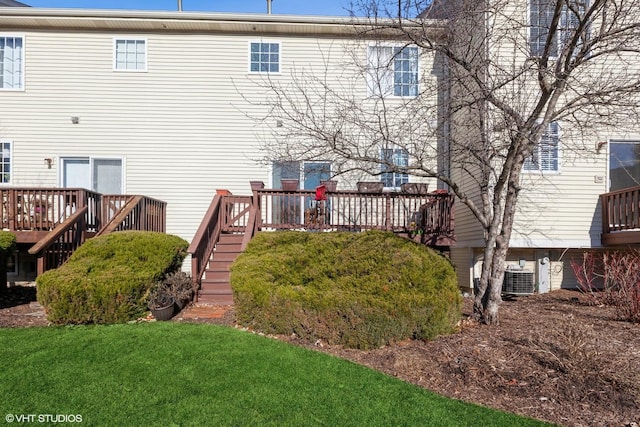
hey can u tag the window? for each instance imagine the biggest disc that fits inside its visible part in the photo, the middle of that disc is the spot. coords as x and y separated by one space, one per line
315 173
624 164
312 173
11 62
264 57
540 17
545 154
392 160
5 162
393 71
130 55
103 175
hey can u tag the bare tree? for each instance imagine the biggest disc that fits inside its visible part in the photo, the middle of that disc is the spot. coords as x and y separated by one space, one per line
499 75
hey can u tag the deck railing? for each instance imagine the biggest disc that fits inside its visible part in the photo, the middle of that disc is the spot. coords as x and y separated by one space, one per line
428 218
61 242
41 209
621 216
133 213
429 215
58 220
205 239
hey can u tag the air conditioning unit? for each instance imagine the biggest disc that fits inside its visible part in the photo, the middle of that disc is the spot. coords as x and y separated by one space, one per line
518 282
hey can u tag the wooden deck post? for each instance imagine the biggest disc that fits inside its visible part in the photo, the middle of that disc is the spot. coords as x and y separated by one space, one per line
387 219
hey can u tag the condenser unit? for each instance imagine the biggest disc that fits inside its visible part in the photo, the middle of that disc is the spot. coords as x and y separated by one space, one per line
518 282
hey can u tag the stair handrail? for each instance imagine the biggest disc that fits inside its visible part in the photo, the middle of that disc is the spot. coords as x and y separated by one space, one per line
54 235
252 227
205 239
120 216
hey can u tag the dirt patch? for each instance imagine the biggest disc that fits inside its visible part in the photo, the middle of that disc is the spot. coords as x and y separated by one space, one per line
18 308
554 357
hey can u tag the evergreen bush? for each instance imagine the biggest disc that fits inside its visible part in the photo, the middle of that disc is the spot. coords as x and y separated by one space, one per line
108 279
7 243
7 248
361 290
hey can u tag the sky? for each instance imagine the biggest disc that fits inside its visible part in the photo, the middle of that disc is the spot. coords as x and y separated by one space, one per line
288 7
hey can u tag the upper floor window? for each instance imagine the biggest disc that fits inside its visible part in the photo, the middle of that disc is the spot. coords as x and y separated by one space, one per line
264 57
545 155
393 159
540 17
130 55
392 71
11 62
5 162
624 164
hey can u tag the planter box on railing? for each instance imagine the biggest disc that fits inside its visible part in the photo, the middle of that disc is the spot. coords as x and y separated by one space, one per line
370 186
290 184
330 185
256 185
415 188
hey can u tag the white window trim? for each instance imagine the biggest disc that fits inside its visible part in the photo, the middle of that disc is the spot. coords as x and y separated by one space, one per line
146 54
24 55
371 93
394 147
9 141
264 41
548 172
301 169
610 142
60 158
559 43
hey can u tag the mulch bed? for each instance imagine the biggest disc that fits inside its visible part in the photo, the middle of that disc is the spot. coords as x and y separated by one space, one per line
554 357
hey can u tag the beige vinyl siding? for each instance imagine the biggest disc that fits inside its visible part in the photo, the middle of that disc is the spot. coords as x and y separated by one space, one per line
187 126
462 259
181 127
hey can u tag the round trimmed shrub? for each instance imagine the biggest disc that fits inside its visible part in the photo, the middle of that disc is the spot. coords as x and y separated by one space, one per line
7 243
361 290
108 279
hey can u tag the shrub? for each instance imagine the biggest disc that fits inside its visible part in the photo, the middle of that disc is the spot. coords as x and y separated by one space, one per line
107 280
7 248
175 287
361 290
7 243
612 278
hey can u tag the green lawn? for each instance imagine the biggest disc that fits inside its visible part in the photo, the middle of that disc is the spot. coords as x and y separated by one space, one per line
168 373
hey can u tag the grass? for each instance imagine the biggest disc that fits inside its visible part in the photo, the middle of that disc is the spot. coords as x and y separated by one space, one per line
176 374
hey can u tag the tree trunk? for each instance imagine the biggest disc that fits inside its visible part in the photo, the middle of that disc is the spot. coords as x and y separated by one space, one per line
483 284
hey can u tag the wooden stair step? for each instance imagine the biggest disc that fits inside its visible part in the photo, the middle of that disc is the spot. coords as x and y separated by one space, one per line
215 285
225 256
217 265
226 239
213 288
216 274
216 299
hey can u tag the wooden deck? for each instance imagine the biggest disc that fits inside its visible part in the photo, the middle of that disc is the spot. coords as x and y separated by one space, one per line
54 222
621 217
426 218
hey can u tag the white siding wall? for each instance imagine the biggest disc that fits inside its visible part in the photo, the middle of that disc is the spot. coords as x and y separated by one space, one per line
187 126
181 127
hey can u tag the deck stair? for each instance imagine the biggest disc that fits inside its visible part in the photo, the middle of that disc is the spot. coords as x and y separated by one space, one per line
231 221
215 287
